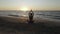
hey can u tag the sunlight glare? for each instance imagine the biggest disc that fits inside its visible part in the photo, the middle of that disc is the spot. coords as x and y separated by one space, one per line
24 9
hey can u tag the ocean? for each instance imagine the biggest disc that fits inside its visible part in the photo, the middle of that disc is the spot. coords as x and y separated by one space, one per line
37 14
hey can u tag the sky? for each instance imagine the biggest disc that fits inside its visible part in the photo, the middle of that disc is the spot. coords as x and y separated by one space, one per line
30 4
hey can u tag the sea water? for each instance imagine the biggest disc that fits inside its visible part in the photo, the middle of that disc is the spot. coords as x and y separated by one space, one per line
37 14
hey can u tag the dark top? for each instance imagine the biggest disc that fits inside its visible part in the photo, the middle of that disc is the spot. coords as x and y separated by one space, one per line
31 13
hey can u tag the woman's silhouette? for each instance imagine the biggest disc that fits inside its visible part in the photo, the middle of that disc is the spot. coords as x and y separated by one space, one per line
31 14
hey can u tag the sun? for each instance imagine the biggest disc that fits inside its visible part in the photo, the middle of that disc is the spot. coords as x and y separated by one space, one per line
24 9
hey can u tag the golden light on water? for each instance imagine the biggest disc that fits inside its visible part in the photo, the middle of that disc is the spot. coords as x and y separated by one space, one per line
24 15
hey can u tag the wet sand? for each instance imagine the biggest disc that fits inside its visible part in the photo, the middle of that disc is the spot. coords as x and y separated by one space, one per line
21 25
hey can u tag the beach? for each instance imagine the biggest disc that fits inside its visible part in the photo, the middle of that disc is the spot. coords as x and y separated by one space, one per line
21 25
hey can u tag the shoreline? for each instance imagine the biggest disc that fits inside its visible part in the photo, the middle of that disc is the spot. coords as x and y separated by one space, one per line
12 25
25 20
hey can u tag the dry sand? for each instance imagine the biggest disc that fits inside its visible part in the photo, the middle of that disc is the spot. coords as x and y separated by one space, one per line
20 25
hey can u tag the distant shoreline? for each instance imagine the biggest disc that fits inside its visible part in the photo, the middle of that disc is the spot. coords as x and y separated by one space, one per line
33 10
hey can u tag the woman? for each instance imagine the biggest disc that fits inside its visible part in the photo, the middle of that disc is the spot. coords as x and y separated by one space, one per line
31 14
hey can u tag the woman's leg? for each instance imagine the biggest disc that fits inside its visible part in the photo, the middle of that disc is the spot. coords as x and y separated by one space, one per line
30 18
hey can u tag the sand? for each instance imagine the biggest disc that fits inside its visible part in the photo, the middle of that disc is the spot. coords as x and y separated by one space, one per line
21 25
